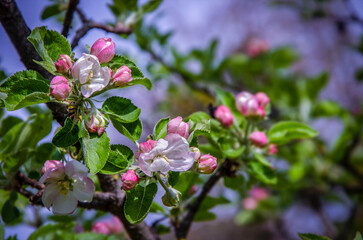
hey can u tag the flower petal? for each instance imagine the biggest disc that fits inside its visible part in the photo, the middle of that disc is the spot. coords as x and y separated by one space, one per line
75 167
53 174
83 188
182 164
64 204
178 146
50 194
159 164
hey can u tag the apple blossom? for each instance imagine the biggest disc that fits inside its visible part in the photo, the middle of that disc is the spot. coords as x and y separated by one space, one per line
258 139
122 76
92 77
63 64
272 149
49 164
207 164
103 49
249 203
170 153
66 185
145 147
129 180
246 104
59 88
257 46
259 193
114 225
96 122
224 115
177 126
101 227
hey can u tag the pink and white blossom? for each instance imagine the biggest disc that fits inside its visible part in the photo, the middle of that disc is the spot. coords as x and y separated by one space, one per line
145 147
177 126
49 164
101 227
171 153
249 203
92 77
197 151
262 99
246 104
103 49
65 186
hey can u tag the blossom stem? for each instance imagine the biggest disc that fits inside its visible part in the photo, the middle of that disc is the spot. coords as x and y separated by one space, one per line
157 174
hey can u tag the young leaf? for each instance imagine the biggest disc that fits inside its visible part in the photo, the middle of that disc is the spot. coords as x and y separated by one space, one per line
121 109
130 130
67 135
310 236
95 149
160 129
284 132
139 201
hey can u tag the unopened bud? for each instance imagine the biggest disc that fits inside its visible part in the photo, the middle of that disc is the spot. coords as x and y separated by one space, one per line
122 76
256 47
96 122
129 180
193 190
63 64
262 99
100 227
59 88
49 164
145 147
224 115
177 126
207 164
272 149
258 139
249 203
259 193
103 49
171 198
247 104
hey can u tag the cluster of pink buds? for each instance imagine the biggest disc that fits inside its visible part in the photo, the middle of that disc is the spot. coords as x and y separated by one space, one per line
108 227
256 195
129 180
257 46
179 127
252 106
224 115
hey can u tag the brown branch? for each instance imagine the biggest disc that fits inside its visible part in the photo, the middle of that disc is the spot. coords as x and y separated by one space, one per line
69 16
192 209
89 24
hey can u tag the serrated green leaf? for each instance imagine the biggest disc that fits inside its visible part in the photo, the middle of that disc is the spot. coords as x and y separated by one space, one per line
139 201
160 129
121 109
284 132
310 236
19 76
130 130
95 149
67 135
119 159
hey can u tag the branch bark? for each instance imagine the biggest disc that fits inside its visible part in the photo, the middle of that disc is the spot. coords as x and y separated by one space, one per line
69 16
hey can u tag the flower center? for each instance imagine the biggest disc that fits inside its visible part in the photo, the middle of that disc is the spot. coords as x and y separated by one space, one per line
64 186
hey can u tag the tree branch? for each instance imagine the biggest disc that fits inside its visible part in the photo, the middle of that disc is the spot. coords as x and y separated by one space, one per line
69 16
183 229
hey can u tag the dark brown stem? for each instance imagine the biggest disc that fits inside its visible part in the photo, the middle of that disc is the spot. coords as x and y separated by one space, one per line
69 16
183 229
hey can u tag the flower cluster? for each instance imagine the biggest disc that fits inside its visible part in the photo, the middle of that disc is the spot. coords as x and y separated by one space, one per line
252 106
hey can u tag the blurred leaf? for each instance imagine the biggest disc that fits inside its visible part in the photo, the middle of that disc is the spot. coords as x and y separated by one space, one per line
310 236
53 231
156 208
9 212
283 57
262 173
51 10
316 84
244 217
186 182
161 229
173 178
235 183
2 232
8 123
358 236
328 108
208 203
261 159
284 132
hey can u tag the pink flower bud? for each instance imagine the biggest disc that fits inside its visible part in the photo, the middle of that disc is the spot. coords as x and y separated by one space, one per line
59 88
147 146
122 76
261 113
249 203
96 122
63 64
272 149
207 164
103 49
49 164
259 193
100 227
262 99
196 150
129 180
258 139
177 126
247 104
256 47
115 225
193 190
224 115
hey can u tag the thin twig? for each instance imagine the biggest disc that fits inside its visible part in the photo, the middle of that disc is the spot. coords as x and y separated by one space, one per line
69 16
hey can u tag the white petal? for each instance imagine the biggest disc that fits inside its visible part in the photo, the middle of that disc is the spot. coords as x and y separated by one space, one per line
64 204
83 189
75 167
159 148
53 174
159 164
182 164
105 75
178 146
144 163
50 194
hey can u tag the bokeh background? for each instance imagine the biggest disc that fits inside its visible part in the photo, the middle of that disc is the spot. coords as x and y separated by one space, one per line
323 35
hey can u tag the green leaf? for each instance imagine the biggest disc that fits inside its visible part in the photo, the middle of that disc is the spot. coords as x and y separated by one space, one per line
2 232
51 10
263 173
130 130
198 117
261 159
139 201
119 159
200 128
173 178
208 203
93 236
67 135
95 149
141 81
203 216
358 236
160 129
19 76
49 44
328 108
8 123
121 109
156 208
235 183
284 132
186 182
316 84
150 6
9 212
310 236
54 231
283 57
26 93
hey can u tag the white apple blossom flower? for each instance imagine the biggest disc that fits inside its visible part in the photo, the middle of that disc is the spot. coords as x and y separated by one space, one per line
170 153
66 185
92 77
